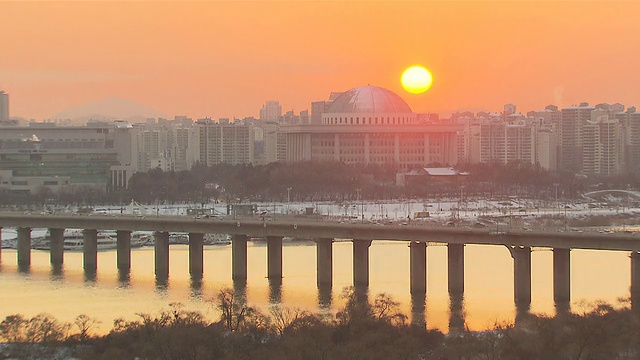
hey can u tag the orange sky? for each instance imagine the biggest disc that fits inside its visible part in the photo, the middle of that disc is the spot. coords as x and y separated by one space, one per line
225 59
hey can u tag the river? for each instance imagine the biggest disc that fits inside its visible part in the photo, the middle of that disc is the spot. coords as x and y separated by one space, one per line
488 297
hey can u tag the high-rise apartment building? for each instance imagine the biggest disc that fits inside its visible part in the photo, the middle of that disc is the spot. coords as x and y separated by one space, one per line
225 143
153 147
572 122
630 127
183 143
271 111
4 107
592 139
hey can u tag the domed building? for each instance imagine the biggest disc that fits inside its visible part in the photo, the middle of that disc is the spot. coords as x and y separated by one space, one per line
370 105
370 124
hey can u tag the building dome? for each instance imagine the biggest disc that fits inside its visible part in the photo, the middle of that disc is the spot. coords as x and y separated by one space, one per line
369 100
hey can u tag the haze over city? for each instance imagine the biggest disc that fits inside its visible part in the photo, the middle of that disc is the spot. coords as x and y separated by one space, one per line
329 179
225 59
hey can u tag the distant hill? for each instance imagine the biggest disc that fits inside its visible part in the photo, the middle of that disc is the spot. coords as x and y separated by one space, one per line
108 109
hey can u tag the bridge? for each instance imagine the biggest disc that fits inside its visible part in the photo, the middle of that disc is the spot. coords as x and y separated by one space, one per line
324 233
595 195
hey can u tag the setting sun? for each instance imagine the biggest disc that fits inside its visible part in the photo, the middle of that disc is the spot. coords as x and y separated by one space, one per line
416 79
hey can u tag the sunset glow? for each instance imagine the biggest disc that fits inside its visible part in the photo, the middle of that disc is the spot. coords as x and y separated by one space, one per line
226 58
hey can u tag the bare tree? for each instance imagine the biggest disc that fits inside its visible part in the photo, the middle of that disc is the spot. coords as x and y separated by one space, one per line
85 325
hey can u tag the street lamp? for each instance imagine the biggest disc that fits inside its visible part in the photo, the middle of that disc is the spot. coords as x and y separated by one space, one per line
288 199
361 204
565 216
556 185
461 201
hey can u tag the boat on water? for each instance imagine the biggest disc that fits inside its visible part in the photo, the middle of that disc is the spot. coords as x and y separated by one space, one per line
209 239
217 239
73 240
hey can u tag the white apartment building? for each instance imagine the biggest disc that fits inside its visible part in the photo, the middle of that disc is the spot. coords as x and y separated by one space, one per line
225 143
489 139
630 126
153 147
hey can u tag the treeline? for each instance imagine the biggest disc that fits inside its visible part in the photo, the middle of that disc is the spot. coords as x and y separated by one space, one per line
323 181
360 330
336 181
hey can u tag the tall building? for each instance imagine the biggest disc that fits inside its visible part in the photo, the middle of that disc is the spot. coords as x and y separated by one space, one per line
225 143
370 124
153 147
630 127
270 144
183 142
572 122
546 148
4 107
489 138
44 155
271 111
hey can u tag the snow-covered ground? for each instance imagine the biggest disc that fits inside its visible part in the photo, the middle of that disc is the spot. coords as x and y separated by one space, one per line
515 214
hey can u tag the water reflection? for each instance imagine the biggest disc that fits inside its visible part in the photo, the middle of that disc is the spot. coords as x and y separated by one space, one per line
57 272
361 294
488 297
162 283
418 306
240 290
195 285
124 278
456 314
24 268
325 296
523 310
275 291
90 276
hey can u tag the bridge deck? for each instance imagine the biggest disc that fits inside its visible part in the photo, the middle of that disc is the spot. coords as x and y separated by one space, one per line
255 227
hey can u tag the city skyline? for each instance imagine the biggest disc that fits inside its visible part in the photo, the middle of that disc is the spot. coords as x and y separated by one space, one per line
226 59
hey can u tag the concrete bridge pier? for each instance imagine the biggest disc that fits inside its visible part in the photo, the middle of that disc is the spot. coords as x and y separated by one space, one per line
561 275
56 246
0 245
90 249
123 249
455 266
239 257
418 309
635 281
24 247
418 267
325 297
522 274
456 314
361 262
196 254
162 254
324 258
274 257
